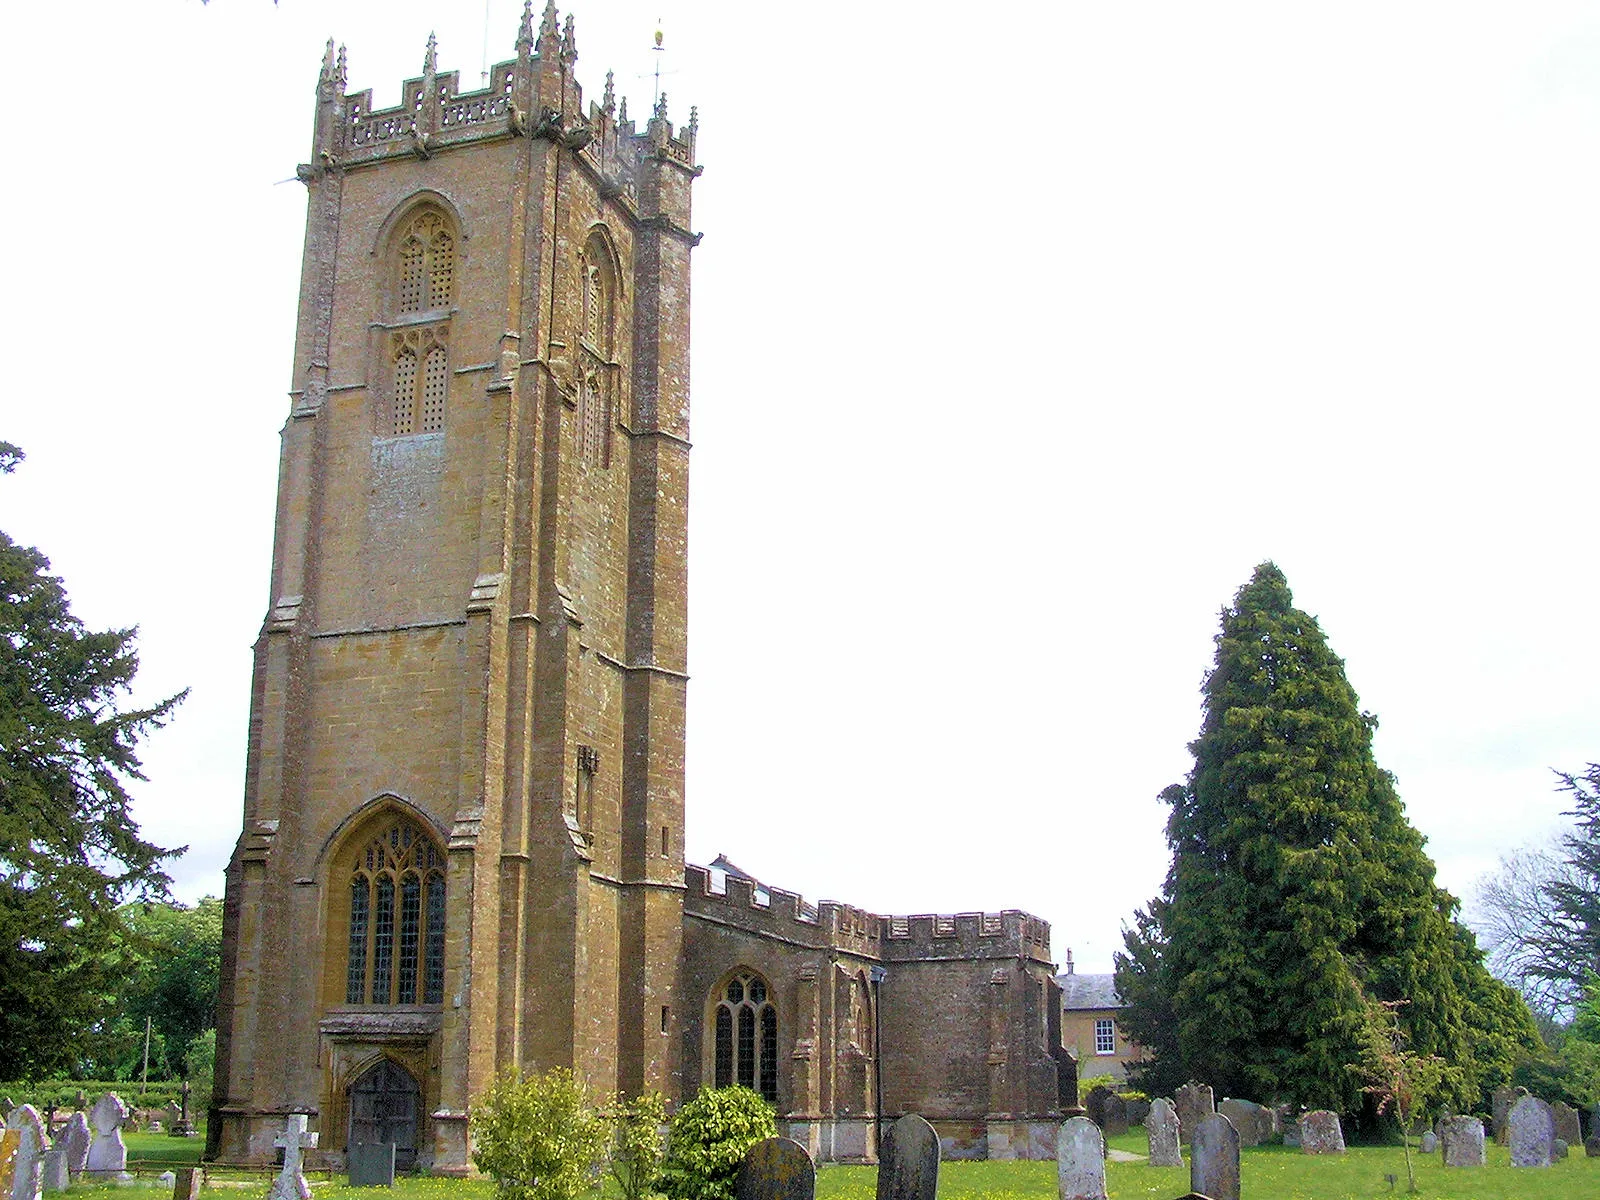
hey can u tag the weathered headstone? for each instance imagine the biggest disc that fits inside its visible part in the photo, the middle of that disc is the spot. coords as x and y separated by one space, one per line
908 1161
1291 1130
1558 1149
73 1142
1214 1158
1253 1122
290 1183
1320 1133
1462 1142
108 1155
1115 1122
1531 1131
1193 1101
55 1177
1138 1112
776 1168
1081 1160
186 1184
371 1164
1430 1142
1503 1100
1568 1128
10 1141
27 1172
1094 1104
1591 1148
1161 1127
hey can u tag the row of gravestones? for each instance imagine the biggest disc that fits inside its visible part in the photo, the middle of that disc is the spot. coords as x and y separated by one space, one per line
31 1162
1568 1123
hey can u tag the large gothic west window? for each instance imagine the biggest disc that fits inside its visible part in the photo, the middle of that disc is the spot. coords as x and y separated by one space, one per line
396 883
424 273
746 1036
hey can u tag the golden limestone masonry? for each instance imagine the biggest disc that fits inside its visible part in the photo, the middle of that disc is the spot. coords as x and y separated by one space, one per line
462 846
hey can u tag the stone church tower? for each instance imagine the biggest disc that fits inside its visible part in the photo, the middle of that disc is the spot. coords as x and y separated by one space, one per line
462 846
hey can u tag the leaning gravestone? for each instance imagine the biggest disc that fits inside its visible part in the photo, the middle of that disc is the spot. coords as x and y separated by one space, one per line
371 1164
1531 1132
55 1177
73 1142
1568 1127
1462 1142
1161 1127
186 1184
776 1168
908 1161
1193 1101
1430 1142
27 1172
1081 1160
1320 1133
291 1181
1500 1104
108 1155
1253 1122
1214 1158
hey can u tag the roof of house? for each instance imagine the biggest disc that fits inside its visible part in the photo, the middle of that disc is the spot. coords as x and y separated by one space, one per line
1088 991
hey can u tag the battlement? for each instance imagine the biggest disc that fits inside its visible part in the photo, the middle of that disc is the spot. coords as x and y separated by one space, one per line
753 906
533 95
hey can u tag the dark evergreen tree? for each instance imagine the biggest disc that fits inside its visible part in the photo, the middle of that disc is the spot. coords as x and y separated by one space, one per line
1572 955
1298 891
69 849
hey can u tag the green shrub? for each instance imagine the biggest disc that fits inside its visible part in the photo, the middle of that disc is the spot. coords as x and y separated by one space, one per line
636 1150
709 1137
539 1138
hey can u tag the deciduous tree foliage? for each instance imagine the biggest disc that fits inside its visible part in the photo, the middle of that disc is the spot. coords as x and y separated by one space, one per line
70 852
1297 889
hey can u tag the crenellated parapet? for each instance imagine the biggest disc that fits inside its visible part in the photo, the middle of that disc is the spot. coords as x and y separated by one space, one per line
745 904
534 95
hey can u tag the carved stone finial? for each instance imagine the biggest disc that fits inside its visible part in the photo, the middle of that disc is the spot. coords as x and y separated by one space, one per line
569 42
661 107
547 24
694 119
327 61
622 111
340 75
525 30
430 59
608 102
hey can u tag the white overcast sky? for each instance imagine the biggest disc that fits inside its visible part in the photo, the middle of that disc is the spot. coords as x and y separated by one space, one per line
1022 332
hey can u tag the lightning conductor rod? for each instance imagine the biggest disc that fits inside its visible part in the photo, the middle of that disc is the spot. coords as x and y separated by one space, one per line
660 50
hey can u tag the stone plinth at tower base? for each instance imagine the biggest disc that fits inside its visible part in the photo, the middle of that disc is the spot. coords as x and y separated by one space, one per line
842 1139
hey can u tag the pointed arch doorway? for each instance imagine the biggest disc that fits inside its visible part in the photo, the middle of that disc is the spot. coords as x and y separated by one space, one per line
384 1103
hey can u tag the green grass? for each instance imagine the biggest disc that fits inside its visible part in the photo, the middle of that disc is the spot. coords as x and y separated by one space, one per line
1269 1173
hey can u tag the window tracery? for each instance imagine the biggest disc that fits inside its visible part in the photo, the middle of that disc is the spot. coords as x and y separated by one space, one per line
425 271
397 913
746 1036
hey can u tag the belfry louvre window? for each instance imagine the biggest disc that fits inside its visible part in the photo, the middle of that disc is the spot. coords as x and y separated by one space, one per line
746 1037
427 264
424 290
421 379
396 953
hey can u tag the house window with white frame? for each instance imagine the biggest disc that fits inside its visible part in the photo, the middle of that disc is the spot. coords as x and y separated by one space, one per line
1105 1037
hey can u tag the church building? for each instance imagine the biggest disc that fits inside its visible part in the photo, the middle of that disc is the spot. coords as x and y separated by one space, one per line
463 833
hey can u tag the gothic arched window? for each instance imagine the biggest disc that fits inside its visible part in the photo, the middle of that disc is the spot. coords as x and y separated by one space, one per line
396 947
597 271
424 286
746 1036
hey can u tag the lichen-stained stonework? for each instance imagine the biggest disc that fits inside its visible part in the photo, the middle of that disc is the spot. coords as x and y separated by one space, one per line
462 842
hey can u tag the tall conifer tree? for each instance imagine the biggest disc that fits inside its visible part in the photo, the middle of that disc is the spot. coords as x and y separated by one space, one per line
1297 889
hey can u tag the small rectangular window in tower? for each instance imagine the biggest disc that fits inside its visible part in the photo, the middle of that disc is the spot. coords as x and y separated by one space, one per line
665 1014
1105 1037
664 851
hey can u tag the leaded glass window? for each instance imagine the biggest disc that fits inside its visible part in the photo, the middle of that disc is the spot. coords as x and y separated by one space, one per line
397 915
746 1037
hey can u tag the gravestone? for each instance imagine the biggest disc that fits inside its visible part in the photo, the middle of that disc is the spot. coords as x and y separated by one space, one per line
1138 1111
908 1161
108 1155
291 1181
777 1168
1568 1128
1193 1101
1161 1128
183 1127
1253 1122
1558 1149
1320 1133
1531 1130
1291 1129
1214 1158
1462 1142
73 1142
1115 1116
371 1164
55 1177
1591 1148
1094 1104
186 1184
27 1171
1430 1142
10 1141
1504 1100
1081 1160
